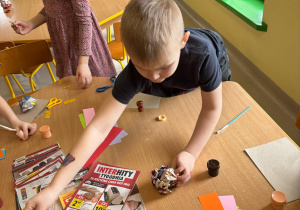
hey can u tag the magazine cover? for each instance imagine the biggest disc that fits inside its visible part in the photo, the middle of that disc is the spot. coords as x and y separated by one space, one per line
104 187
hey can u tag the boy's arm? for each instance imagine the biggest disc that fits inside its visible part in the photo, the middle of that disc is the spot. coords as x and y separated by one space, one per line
206 123
105 118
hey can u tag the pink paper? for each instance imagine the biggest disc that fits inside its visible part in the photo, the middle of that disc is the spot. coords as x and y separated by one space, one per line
228 202
88 115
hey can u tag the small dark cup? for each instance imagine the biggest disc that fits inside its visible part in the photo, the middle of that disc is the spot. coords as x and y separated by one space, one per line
213 167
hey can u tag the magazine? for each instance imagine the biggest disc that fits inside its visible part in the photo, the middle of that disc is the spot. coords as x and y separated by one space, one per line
23 172
104 187
27 159
134 201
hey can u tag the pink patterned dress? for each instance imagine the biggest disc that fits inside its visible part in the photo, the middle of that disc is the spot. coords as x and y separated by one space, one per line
74 31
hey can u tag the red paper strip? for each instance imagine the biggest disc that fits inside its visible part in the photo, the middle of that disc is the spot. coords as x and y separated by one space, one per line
114 132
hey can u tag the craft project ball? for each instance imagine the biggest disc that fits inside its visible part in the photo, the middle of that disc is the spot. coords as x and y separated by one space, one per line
139 103
141 108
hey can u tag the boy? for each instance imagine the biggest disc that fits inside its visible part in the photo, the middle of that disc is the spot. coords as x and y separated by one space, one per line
164 62
21 127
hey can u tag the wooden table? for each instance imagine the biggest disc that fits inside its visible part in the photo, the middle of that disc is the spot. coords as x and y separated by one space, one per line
151 143
25 10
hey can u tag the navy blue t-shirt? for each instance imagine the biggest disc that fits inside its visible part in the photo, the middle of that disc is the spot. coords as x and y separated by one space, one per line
198 66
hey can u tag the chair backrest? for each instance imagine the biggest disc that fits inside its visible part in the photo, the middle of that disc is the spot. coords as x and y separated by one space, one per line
5 45
24 56
117 31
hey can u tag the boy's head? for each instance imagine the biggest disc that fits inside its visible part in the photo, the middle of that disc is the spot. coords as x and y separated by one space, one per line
153 35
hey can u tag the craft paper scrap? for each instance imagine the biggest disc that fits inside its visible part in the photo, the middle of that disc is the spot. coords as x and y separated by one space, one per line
112 134
210 201
70 101
2 153
47 114
68 86
279 162
82 120
121 135
88 115
149 102
59 82
228 202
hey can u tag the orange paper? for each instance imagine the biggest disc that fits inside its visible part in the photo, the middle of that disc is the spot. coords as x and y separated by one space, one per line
1 154
210 201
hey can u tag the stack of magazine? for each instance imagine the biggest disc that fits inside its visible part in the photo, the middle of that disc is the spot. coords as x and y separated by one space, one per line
99 187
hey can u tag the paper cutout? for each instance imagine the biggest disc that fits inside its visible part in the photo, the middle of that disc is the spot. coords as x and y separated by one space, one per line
149 101
70 101
59 82
279 162
88 115
47 114
30 115
2 153
121 135
112 134
67 86
210 201
82 120
228 202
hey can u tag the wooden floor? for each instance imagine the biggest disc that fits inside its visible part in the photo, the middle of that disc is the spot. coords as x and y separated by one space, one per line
266 93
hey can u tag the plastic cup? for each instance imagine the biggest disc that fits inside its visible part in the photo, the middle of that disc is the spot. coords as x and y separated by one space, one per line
45 131
213 167
278 199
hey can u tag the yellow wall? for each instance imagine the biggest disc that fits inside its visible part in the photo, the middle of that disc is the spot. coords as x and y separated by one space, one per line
275 52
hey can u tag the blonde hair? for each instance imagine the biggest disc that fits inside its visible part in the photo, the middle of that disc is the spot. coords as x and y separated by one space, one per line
148 26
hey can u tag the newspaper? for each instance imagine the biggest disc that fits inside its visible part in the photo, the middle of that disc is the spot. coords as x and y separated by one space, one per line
104 187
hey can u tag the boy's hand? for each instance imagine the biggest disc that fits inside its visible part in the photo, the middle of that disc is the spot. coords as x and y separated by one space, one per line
183 164
83 75
24 129
42 201
22 27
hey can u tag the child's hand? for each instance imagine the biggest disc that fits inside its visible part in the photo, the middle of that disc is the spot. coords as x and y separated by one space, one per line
183 164
22 27
24 129
83 75
42 201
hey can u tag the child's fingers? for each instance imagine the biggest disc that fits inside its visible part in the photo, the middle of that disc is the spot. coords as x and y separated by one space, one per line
77 78
83 82
25 131
20 134
179 169
183 178
32 129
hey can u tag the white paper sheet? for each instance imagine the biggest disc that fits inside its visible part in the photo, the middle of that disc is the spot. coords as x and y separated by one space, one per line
279 162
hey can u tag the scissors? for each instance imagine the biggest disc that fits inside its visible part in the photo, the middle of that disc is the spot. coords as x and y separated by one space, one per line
102 89
53 102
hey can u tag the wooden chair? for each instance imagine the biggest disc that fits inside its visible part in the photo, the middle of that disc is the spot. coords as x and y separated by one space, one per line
28 58
116 47
298 120
3 46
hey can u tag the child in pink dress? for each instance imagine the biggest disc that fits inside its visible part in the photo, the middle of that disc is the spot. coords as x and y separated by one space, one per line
78 43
